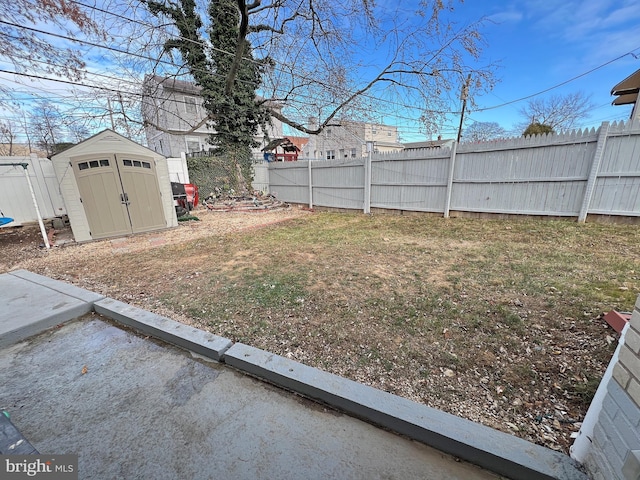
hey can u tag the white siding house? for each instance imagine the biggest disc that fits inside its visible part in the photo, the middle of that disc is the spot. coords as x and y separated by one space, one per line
175 118
349 140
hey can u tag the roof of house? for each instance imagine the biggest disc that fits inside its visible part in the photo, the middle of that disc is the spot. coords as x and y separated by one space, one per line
427 144
20 150
190 87
299 142
284 143
627 90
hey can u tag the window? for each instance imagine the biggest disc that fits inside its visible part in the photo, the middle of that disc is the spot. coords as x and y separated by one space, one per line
331 154
190 105
135 163
193 144
353 153
93 164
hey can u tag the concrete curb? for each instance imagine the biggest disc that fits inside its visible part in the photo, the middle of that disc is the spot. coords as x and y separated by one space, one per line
496 451
170 331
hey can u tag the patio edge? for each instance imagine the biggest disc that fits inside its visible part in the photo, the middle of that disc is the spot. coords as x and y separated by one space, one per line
163 328
496 451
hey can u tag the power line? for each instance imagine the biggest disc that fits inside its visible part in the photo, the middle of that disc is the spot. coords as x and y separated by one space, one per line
294 74
301 96
286 93
557 85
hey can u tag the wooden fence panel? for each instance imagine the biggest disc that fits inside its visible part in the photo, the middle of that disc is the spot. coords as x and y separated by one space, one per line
15 198
534 176
338 184
617 189
406 183
561 175
289 181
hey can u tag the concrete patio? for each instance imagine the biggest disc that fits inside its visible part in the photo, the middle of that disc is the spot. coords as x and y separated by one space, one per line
136 395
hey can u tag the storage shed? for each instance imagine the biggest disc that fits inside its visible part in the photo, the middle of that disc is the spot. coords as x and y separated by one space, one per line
112 187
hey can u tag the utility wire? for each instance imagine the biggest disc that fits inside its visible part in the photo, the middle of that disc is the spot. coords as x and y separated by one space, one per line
557 85
148 58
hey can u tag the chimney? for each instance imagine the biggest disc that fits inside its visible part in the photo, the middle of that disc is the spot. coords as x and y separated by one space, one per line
439 137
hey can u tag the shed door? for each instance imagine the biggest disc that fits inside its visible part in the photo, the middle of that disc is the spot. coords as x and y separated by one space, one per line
140 186
100 192
120 194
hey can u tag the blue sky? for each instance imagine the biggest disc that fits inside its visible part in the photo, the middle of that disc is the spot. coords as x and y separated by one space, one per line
540 44
537 45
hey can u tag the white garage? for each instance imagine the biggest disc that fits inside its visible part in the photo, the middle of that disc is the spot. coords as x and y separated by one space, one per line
112 187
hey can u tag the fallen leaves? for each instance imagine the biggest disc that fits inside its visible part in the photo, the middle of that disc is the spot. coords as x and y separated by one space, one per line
484 326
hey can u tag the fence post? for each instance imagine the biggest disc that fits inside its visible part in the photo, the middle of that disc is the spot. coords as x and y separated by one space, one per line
43 231
452 164
593 174
310 185
367 179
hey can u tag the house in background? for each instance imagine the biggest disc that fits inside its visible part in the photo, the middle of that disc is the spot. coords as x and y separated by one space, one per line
300 142
175 119
285 149
281 149
20 150
626 93
439 143
349 140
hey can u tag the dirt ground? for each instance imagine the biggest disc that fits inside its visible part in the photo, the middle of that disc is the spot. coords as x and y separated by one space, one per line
520 389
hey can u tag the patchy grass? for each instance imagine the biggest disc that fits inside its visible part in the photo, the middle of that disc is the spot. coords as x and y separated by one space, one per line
493 320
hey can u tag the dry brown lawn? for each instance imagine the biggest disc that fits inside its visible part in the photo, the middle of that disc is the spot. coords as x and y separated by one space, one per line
497 321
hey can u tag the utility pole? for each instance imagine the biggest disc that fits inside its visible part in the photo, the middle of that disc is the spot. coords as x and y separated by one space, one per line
463 95
124 116
113 125
26 131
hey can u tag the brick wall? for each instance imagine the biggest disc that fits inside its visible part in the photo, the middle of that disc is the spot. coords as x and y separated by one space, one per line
616 433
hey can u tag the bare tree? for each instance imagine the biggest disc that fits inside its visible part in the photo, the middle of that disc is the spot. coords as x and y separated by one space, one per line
483 131
78 131
320 60
8 134
45 127
559 112
313 56
25 46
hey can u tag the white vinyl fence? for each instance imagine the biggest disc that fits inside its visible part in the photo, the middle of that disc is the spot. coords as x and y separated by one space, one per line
572 175
15 198
178 171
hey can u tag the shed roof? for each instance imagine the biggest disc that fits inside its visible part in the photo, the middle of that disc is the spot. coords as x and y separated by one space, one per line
112 141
